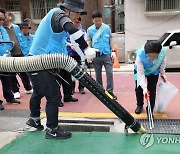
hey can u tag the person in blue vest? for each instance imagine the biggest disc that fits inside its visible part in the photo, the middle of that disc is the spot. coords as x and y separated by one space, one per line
150 62
72 52
27 37
14 34
99 37
50 38
4 77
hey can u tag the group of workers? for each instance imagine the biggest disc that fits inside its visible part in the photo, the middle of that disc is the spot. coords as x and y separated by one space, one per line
54 34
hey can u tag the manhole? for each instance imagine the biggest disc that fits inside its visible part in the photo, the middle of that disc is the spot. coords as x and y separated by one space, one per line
86 125
162 126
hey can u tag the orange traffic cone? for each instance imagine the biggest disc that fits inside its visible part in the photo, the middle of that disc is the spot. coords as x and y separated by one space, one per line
116 61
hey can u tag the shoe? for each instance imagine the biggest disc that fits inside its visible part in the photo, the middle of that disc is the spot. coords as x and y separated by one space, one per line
114 97
138 109
14 101
1 107
57 133
81 91
70 99
61 104
17 95
35 124
29 91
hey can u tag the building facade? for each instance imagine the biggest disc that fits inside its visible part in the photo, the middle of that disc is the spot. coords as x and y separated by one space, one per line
148 20
35 10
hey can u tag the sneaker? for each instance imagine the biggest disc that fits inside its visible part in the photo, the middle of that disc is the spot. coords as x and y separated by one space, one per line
36 124
70 99
1 107
29 91
81 91
14 101
57 133
17 95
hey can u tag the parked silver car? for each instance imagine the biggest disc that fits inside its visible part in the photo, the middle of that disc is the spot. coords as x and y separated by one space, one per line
171 41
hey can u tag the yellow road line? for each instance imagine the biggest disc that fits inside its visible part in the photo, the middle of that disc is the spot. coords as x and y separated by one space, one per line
103 115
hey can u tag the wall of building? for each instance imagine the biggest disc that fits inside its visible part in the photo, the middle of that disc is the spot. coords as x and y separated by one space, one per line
139 27
90 7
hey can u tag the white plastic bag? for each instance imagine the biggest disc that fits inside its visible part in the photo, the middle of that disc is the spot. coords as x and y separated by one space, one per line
165 93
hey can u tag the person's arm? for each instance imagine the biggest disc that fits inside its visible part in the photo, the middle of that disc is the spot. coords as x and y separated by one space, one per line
76 34
113 54
140 74
88 39
60 21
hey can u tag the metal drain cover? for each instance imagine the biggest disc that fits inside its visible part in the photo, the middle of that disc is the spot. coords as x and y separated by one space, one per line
162 126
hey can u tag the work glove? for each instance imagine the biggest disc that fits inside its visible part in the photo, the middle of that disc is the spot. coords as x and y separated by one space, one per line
163 77
90 53
113 55
146 94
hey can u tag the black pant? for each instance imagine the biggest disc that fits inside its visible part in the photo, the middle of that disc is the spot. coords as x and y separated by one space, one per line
25 80
80 87
151 86
45 85
67 87
6 86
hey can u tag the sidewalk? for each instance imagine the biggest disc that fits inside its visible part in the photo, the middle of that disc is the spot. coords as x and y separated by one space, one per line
90 107
123 68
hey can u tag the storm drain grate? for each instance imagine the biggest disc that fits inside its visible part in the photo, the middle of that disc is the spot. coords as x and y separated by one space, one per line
86 125
162 126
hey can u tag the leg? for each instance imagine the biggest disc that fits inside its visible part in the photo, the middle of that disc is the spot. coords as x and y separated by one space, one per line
45 84
97 62
53 98
67 88
151 86
139 97
14 83
6 87
25 80
108 64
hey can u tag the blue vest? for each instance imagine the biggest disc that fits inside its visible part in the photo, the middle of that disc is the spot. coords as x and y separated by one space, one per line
145 61
103 42
28 41
45 40
5 37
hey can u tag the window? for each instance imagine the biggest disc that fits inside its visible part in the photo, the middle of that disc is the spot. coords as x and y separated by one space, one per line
163 37
40 8
169 5
174 37
12 5
162 5
121 28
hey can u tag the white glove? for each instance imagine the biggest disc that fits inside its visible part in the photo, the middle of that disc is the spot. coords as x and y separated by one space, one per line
145 91
113 55
90 53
